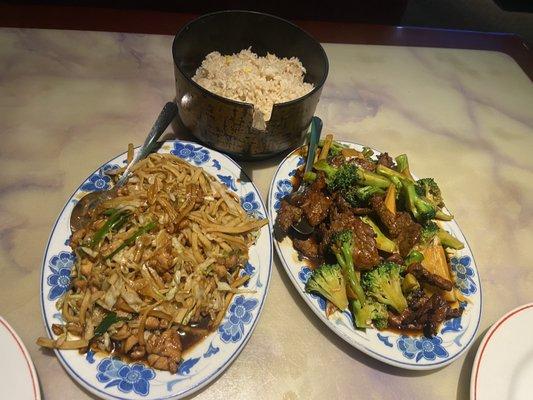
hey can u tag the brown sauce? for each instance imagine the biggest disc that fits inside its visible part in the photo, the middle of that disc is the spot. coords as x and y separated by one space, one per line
190 337
406 332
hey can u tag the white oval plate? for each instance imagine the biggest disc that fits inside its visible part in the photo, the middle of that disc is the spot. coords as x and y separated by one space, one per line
112 379
409 352
18 379
503 367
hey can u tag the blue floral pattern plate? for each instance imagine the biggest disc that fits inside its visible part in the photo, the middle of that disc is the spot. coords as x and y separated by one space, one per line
409 352
110 378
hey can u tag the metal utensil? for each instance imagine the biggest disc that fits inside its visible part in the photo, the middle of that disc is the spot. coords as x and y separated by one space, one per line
81 213
302 226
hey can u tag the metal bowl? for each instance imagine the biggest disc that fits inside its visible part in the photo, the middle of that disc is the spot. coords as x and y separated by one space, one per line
225 124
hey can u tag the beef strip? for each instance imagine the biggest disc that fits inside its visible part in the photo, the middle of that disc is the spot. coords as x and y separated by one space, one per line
400 226
396 258
315 206
287 215
386 217
364 163
385 160
454 312
338 160
439 308
308 247
424 313
313 201
423 275
365 253
409 236
319 183
343 206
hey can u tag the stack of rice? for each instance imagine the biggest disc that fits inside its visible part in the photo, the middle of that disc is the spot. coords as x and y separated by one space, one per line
246 77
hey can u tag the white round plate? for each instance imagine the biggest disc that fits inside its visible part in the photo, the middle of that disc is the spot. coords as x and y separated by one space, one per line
18 379
503 367
110 378
409 352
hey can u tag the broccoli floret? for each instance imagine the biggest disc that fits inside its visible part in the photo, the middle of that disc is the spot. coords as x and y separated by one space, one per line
329 170
382 242
341 246
384 284
428 187
359 196
335 149
431 229
347 176
428 233
364 193
422 208
371 313
327 281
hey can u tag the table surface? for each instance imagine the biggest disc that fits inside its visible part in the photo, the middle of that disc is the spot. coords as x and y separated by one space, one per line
70 100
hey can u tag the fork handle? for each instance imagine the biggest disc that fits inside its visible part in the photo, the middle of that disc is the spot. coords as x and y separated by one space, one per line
314 137
167 114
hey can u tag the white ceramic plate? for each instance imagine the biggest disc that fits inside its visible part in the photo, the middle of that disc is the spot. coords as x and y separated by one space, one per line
112 379
18 379
402 351
503 367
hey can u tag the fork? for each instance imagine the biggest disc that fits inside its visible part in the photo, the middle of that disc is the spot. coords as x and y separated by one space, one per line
302 226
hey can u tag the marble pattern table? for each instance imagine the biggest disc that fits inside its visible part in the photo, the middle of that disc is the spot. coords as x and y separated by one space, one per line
70 100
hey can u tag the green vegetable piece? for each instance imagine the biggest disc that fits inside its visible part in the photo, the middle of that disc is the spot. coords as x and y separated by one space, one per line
335 148
428 233
421 208
382 242
367 152
447 240
371 313
110 319
383 283
309 177
348 175
115 221
327 281
429 190
131 240
390 173
359 196
414 256
341 246
402 166
409 284
431 229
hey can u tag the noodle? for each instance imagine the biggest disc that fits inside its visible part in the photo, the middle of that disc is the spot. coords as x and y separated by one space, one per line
160 260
